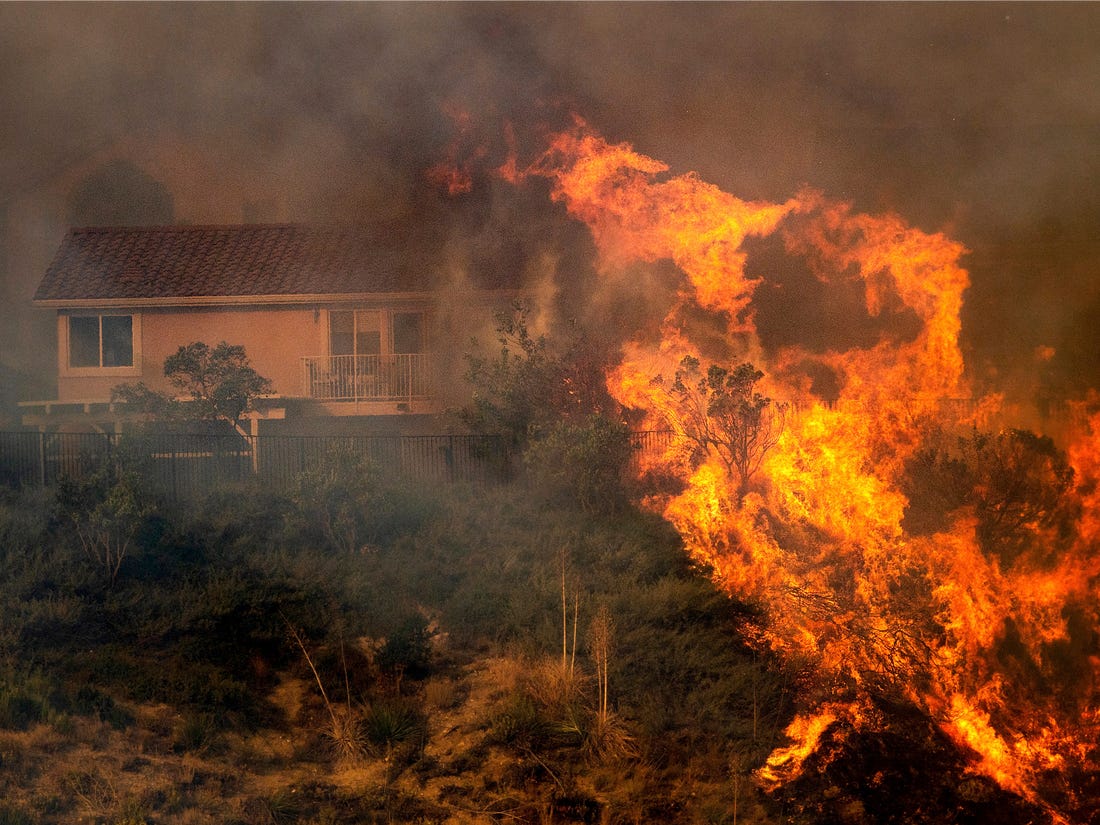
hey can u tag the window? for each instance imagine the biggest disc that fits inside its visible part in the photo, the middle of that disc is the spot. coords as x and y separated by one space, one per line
376 332
408 332
357 332
99 341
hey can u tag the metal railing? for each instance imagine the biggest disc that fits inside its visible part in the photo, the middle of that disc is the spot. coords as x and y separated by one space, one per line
183 465
367 377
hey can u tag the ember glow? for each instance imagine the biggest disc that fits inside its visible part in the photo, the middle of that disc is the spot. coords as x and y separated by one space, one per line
979 640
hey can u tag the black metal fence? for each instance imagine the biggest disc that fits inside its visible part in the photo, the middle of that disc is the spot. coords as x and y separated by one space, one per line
182 465
185 465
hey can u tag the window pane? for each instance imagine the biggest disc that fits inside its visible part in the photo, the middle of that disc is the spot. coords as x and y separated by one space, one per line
408 332
118 341
341 333
368 343
84 341
368 332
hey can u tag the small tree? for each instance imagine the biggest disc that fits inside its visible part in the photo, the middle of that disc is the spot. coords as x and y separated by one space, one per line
220 383
722 413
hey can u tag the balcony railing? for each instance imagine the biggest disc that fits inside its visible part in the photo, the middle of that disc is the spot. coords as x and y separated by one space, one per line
367 377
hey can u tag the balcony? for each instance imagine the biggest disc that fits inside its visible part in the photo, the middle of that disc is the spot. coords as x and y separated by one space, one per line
367 378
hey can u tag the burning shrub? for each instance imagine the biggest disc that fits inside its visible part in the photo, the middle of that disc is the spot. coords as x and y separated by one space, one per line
532 384
1016 482
720 412
956 604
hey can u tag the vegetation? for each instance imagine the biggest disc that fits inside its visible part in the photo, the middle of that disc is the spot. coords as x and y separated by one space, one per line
1015 481
549 401
104 509
494 657
217 384
356 651
532 382
721 412
224 625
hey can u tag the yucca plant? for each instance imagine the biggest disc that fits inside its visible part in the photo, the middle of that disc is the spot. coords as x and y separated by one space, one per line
344 731
386 724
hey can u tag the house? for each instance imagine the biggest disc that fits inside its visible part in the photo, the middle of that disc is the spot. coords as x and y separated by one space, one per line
354 328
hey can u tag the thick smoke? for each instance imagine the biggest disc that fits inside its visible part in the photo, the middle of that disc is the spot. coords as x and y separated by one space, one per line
977 119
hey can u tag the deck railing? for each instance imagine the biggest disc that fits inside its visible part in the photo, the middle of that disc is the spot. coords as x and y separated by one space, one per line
403 377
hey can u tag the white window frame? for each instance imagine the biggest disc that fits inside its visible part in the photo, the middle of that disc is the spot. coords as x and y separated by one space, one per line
67 370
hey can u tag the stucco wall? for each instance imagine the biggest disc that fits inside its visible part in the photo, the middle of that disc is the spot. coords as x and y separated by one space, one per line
275 339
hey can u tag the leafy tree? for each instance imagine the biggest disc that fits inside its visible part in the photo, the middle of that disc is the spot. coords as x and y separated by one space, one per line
721 412
220 382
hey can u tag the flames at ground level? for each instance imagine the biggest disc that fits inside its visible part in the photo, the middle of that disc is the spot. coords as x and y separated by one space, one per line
907 545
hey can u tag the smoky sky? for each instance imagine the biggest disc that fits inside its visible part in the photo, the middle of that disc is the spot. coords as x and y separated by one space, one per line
980 120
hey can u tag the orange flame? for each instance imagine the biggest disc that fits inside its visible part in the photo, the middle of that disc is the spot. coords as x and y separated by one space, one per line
820 541
453 175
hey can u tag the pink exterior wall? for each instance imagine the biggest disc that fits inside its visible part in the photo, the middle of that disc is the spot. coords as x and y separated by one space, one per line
274 338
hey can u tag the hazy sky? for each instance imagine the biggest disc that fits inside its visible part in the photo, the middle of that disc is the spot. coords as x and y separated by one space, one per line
982 119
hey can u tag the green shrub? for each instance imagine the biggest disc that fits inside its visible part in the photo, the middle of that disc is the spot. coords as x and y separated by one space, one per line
104 508
18 710
195 732
90 701
581 463
131 812
520 724
408 649
341 499
29 698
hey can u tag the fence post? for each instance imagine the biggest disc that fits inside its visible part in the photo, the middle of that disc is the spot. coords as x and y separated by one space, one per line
42 458
254 441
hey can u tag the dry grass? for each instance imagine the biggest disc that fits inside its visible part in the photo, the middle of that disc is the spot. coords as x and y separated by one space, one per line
441 694
98 774
608 739
346 734
553 685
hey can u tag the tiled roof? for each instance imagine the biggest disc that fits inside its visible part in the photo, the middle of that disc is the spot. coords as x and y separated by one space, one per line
166 262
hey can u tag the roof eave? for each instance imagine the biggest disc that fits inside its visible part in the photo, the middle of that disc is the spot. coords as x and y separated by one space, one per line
231 300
